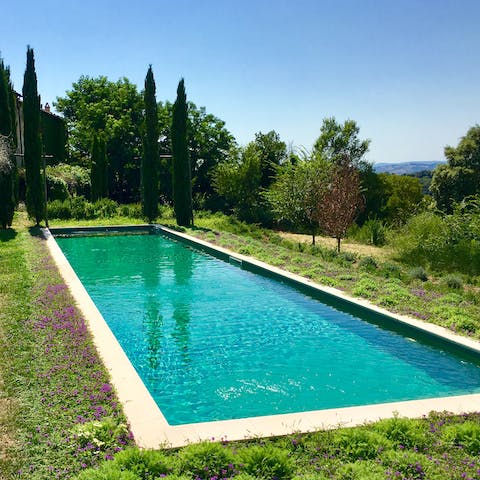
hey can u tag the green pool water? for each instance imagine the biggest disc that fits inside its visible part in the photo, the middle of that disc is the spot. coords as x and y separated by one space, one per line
212 341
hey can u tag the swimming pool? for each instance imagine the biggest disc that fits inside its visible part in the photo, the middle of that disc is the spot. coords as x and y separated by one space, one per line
213 341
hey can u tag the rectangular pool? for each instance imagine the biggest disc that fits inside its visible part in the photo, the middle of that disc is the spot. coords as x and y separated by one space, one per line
212 341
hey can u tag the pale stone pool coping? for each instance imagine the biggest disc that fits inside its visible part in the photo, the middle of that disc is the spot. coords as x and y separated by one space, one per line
149 426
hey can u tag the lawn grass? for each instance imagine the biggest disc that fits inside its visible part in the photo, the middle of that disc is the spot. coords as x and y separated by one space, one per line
59 414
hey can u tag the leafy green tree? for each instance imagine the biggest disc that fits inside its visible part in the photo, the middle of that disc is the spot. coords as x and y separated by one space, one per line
98 171
35 196
150 151
54 137
272 152
182 184
238 180
7 198
401 197
460 177
338 142
115 108
295 195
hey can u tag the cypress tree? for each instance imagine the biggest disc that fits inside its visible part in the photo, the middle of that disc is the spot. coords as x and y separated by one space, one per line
7 201
98 171
5 104
35 196
182 184
150 151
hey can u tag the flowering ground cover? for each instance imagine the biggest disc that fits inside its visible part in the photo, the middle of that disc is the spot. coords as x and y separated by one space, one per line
59 410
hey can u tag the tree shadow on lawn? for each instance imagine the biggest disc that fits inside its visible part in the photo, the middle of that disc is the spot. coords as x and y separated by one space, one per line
7 234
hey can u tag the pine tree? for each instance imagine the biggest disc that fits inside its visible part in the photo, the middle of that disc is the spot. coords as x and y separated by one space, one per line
150 151
35 196
182 184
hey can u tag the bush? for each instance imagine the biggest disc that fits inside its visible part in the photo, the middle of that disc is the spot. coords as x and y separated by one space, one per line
418 273
144 463
372 232
453 281
361 471
81 209
59 209
105 208
359 443
465 435
107 471
368 263
56 188
206 460
410 465
75 177
390 270
266 462
404 432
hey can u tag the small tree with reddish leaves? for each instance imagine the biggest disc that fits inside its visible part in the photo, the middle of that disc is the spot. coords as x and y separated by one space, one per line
341 202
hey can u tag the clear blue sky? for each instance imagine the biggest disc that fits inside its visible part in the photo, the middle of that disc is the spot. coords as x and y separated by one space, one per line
407 71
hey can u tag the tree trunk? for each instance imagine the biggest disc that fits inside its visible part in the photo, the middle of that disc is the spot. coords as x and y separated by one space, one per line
338 244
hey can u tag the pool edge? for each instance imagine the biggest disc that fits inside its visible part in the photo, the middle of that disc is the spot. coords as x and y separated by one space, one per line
149 426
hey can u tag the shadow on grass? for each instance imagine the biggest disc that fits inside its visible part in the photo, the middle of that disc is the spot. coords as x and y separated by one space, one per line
35 231
7 234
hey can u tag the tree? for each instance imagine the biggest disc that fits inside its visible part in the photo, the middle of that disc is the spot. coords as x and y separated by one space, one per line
35 196
238 180
182 184
7 200
341 201
338 142
296 194
115 108
272 152
98 171
150 151
5 103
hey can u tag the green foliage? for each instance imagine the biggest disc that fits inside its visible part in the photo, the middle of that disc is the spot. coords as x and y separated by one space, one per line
418 273
150 151
405 432
453 281
372 232
59 209
359 443
5 104
182 184
460 177
77 178
144 463
81 209
107 471
54 137
98 169
337 141
365 287
465 435
97 105
206 460
57 188
361 471
35 196
410 465
267 461
272 153
368 263
7 198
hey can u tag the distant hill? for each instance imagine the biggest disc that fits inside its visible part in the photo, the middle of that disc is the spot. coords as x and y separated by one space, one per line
406 167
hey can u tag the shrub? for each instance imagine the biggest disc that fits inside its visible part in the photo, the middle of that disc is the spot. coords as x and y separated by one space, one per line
465 435
391 270
206 460
372 232
365 287
368 263
453 281
107 471
418 273
266 462
7 200
359 443
404 432
81 209
144 463
75 177
56 188
105 208
410 465
361 471
59 209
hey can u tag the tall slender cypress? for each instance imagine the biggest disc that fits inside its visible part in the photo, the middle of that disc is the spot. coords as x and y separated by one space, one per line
182 183
5 104
35 196
150 151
